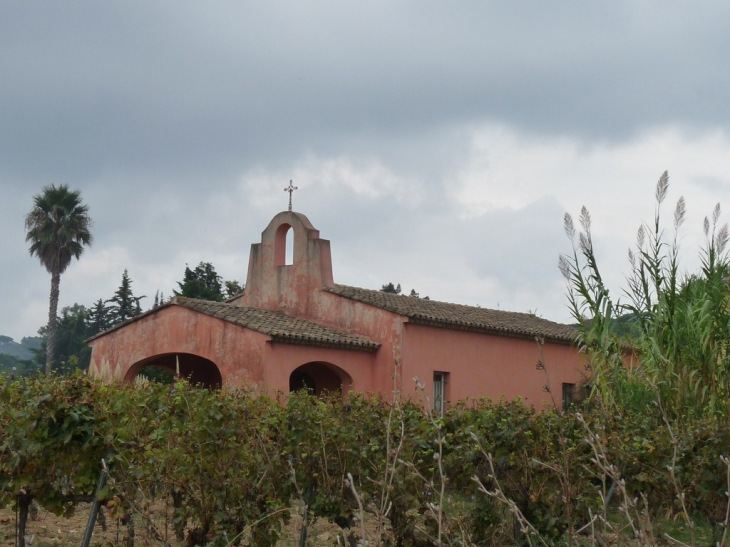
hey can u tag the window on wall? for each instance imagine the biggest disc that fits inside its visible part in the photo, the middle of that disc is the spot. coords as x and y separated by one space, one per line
439 391
569 394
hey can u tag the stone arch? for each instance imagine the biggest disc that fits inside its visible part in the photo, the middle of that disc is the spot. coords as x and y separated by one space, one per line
196 369
320 377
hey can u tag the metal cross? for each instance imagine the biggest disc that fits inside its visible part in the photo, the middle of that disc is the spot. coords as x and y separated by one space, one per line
290 189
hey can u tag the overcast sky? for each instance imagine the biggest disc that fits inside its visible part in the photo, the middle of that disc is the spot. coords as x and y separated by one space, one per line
435 144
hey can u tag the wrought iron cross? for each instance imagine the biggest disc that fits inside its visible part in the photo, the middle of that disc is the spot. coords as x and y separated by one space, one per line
290 189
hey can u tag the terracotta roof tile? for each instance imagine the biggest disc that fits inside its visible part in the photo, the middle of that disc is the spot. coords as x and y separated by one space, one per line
460 317
281 327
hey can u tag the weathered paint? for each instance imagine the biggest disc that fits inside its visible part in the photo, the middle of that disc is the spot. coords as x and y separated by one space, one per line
175 329
477 364
296 289
241 355
484 365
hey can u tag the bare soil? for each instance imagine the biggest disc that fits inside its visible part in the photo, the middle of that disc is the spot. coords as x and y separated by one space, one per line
49 530
46 529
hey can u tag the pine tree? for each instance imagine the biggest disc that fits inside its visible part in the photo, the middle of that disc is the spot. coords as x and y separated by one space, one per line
203 283
99 317
396 289
124 305
391 289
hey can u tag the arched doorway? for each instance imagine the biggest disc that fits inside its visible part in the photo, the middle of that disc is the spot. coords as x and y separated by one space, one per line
319 377
195 369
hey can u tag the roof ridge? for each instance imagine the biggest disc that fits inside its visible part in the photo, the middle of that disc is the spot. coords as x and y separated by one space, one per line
460 316
437 302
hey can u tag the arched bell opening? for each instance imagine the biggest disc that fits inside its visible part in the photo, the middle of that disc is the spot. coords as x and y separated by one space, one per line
197 370
319 378
284 246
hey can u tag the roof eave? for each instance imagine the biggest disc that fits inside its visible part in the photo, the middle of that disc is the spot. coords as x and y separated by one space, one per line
369 347
415 320
131 320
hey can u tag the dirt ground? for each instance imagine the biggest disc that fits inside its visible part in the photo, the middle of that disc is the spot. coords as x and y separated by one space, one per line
48 530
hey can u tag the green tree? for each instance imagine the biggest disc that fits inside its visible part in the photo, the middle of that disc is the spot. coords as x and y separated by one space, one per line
203 283
15 367
71 350
98 317
124 305
50 452
9 346
391 289
31 342
159 299
233 288
396 289
157 374
73 329
58 229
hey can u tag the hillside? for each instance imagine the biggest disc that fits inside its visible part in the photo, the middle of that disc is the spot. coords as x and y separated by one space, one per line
22 350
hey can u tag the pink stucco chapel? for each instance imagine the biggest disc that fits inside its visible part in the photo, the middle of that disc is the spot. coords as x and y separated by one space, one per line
295 327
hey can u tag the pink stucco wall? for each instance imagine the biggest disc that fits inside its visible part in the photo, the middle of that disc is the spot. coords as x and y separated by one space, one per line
243 356
238 353
491 366
283 359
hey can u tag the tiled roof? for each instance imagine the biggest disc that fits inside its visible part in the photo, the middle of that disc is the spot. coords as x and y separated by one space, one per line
281 327
460 317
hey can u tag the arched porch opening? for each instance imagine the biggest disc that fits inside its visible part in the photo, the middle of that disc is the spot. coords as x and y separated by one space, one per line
319 377
188 366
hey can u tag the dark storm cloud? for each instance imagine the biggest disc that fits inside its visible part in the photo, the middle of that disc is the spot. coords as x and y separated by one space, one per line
91 87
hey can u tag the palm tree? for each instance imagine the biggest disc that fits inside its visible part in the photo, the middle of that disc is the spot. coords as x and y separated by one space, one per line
58 229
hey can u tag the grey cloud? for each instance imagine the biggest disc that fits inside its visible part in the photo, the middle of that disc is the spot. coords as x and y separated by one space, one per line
135 86
520 247
710 184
